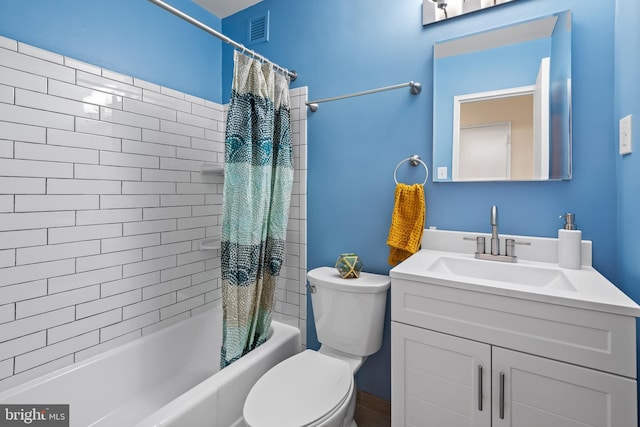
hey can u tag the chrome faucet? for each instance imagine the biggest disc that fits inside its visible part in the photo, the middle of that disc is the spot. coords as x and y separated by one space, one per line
495 240
494 254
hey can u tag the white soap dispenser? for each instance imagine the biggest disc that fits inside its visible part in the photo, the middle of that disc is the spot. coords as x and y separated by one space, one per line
569 244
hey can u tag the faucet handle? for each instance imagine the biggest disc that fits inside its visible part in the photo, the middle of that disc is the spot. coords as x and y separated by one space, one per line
480 248
511 246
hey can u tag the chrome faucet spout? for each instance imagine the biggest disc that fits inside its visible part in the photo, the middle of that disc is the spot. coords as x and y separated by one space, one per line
495 240
510 243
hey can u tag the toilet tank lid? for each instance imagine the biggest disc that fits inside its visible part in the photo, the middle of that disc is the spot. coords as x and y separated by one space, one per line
366 283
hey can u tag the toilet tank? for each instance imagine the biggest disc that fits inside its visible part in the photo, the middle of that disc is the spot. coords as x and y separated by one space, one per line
349 313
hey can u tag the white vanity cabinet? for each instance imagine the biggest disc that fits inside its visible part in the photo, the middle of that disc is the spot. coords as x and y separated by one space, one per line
466 358
438 379
537 391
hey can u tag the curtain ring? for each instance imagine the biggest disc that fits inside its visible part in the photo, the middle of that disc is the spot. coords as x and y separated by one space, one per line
244 50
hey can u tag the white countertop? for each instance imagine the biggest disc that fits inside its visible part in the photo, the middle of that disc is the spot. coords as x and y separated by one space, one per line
591 291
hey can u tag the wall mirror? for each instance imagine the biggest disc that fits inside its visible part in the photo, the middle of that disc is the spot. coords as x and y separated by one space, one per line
502 103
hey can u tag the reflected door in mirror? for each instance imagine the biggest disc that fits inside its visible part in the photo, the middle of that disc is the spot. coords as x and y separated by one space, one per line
484 153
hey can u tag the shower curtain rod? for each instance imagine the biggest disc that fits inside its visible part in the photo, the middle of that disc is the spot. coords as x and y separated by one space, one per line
416 88
292 74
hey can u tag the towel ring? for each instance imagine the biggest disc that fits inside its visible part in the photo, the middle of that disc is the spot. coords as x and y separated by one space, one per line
415 161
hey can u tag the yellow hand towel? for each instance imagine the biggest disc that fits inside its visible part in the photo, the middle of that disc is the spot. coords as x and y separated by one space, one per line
407 222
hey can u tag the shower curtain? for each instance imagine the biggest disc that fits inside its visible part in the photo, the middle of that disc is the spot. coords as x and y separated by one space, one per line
258 178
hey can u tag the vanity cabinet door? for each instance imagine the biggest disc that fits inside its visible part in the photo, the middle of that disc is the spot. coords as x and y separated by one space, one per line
438 380
533 391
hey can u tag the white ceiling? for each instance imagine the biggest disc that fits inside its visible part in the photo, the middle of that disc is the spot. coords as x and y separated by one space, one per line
224 8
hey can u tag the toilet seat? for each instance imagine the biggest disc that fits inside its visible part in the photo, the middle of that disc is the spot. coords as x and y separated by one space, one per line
299 391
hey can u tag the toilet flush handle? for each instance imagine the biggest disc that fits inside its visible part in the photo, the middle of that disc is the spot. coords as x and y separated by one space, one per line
312 288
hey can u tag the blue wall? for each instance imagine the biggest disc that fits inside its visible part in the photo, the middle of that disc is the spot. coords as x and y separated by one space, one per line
628 102
627 92
354 145
135 38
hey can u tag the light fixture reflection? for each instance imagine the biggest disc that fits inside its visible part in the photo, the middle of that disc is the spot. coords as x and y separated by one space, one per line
438 10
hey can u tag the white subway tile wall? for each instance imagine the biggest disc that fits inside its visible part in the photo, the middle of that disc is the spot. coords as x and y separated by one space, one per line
103 207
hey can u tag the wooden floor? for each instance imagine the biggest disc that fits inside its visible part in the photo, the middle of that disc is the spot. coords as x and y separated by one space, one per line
371 411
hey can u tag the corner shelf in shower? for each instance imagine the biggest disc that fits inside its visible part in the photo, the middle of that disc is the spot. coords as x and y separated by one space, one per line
210 244
212 169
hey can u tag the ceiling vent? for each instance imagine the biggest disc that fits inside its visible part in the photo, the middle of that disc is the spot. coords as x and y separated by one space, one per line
259 29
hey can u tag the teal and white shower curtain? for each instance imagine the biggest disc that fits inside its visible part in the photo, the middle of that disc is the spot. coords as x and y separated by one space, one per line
258 178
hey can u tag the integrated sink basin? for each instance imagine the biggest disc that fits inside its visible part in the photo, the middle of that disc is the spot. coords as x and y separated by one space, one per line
511 274
446 265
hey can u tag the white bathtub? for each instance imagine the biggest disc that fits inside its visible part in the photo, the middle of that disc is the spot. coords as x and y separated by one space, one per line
167 378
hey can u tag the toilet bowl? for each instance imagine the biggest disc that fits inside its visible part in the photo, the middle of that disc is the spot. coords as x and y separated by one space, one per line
309 389
317 388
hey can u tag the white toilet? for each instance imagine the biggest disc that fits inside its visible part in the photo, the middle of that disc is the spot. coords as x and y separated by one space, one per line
317 389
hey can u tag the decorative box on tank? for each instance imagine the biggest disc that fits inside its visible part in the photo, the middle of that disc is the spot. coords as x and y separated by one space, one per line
349 266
